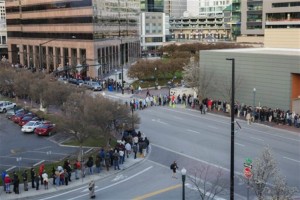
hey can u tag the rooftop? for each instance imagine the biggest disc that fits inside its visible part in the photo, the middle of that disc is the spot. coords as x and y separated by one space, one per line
272 51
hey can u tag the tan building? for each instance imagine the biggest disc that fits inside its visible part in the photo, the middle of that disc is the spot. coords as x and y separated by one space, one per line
92 37
260 15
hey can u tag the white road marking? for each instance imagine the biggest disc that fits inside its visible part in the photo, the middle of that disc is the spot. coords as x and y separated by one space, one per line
257 138
42 148
11 168
192 131
13 157
90 149
158 121
239 144
119 177
213 127
54 196
39 163
45 152
292 159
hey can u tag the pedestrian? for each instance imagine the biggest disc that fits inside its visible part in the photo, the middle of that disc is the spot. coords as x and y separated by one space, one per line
90 164
25 180
116 157
174 167
3 174
128 149
53 175
45 180
98 163
7 182
32 176
77 167
66 176
41 170
16 183
147 144
67 166
107 160
92 189
134 148
37 180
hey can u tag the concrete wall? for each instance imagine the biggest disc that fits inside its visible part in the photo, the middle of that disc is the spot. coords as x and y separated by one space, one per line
282 38
270 74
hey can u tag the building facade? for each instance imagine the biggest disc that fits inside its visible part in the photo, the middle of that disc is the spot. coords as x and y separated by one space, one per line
258 15
204 19
232 19
153 31
274 72
90 36
3 31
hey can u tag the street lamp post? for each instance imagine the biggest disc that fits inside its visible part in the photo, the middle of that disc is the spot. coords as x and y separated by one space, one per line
121 56
232 131
253 111
156 80
183 175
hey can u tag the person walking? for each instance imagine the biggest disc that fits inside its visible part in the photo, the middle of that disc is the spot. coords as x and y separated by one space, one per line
174 167
25 180
92 189
32 176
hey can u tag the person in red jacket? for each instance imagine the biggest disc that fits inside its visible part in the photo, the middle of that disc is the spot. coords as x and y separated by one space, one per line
7 182
41 171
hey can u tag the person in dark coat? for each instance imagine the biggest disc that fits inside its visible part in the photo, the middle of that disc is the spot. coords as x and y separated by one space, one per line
25 180
32 176
37 180
16 183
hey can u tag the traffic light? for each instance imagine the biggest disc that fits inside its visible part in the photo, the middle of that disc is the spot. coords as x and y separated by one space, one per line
120 76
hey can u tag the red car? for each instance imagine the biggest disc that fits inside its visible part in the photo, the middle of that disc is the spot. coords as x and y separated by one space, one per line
45 129
18 117
26 119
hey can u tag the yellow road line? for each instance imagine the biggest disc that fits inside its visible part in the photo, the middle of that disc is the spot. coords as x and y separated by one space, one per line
157 192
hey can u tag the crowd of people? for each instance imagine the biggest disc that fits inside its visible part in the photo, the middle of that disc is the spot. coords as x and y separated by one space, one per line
131 144
241 110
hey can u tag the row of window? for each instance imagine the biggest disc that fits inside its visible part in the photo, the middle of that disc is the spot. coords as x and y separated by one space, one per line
18 34
68 20
50 6
285 4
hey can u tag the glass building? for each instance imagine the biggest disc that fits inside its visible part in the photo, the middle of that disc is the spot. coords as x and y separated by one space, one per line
92 36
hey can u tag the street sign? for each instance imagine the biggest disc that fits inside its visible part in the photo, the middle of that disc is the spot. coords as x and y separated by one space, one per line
248 162
247 172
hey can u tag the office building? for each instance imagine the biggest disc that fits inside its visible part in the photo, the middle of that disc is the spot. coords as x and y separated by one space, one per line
3 31
276 16
94 37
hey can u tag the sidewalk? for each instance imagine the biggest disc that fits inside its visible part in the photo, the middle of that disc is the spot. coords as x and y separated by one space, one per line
129 162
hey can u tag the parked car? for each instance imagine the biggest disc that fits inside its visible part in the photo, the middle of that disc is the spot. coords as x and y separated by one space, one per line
26 119
45 129
76 81
6 105
19 116
95 86
30 126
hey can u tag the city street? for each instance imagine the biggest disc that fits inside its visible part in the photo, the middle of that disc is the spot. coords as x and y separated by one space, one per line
193 140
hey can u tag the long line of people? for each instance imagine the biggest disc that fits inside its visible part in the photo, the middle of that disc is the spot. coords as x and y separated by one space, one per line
131 144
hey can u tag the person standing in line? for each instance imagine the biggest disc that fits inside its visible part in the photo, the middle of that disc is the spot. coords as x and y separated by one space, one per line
77 167
32 176
41 170
3 177
134 148
16 183
92 189
174 167
37 180
25 180
7 182
45 180
66 177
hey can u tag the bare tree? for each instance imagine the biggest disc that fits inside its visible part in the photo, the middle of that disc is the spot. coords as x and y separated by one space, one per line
196 78
208 182
281 191
264 168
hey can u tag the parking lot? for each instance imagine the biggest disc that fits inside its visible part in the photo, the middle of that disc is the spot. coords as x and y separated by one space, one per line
19 150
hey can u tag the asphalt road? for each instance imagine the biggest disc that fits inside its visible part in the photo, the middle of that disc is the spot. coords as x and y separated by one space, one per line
193 140
32 150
